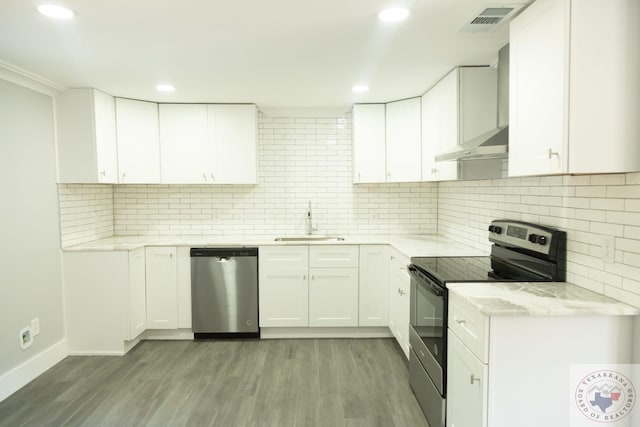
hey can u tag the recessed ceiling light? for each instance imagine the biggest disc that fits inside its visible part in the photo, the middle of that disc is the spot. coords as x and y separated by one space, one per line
55 11
165 88
393 14
360 88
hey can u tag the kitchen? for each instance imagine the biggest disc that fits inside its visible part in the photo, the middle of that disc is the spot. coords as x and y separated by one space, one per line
591 208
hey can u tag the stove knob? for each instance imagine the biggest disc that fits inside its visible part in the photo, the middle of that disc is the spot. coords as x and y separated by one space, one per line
491 228
533 238
542 240
497 229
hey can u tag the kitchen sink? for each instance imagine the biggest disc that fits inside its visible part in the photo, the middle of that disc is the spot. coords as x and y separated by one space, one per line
310 239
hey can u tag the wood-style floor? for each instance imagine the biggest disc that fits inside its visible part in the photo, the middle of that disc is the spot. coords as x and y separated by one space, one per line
323 382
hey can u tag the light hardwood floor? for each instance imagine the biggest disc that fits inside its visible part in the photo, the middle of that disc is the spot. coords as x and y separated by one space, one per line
313 382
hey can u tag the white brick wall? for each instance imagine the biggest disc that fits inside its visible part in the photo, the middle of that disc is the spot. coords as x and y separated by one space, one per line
589 208
300 159
86 213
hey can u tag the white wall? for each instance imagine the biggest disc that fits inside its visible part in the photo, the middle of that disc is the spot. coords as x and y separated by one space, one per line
30 258
588 207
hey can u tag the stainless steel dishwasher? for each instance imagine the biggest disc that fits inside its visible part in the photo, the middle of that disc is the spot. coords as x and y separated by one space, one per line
224 293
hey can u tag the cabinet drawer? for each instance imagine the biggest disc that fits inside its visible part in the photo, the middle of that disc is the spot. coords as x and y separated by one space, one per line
283 256
469 325
333 256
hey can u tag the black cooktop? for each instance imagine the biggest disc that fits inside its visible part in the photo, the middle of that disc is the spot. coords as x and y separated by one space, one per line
469 269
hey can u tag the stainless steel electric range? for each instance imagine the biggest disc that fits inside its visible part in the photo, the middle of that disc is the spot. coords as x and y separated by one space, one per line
521 252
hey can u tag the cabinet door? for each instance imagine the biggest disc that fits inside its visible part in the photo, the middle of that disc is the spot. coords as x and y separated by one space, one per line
373 295
183 143
448 94
369 157
232 128
431 140
137 293
138 141
162 288
105 131
333 297
283 291
466 386
538 90
403 141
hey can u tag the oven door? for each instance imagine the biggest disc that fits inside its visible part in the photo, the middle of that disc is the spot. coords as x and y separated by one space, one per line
428 321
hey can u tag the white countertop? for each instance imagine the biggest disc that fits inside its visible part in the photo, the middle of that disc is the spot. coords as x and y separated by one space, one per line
539 299
414 245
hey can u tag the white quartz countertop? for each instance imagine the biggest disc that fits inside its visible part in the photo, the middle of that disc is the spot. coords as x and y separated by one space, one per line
539 299
414 245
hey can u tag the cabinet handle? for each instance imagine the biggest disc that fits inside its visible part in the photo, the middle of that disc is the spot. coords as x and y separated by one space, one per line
461 322
313 277
123 175
401 292
204 176
474 379
103 173
358 176
553 153
213 178
304 277
171 255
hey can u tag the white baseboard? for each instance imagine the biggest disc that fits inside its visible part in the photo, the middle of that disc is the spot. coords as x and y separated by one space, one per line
23 374
369 332
167 334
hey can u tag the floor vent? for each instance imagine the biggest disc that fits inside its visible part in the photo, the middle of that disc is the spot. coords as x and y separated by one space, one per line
489 18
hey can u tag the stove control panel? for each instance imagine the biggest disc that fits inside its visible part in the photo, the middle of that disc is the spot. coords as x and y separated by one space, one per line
524 235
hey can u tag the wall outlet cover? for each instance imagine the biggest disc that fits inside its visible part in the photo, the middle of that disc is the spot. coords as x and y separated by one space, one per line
35 326
26 338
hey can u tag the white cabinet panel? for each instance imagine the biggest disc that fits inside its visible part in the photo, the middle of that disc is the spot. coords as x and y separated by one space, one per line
137 293
333 297
162 288
399 304
403 135
467 381
234 150
283 278
369 141
373 293
183 143
333 256
183 266
86 137
567 113
138 141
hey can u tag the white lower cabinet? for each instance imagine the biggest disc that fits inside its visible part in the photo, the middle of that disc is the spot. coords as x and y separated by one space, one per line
162 288
104 300
399 285
283 283
304 286
501 370
373 292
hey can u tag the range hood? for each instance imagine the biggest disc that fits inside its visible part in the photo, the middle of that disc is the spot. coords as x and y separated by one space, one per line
494 143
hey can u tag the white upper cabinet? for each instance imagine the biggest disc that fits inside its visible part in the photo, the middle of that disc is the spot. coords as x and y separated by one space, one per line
208 143
461 107
403 148
576 111
369 157
183 143
138 141
86 131
234 143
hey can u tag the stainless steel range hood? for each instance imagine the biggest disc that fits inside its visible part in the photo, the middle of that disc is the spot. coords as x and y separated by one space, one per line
492 144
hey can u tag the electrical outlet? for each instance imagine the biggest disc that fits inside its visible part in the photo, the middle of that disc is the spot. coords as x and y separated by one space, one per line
26 338
608 249
35 326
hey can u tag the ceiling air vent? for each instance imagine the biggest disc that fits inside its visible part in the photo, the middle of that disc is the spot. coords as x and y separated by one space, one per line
488 18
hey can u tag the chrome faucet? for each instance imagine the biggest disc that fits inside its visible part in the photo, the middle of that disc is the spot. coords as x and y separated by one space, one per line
310 227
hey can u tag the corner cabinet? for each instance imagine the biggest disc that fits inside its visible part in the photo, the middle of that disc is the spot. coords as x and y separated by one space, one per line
369 157
208 144
569 114
403 135
138 142
86 137
491 359
374 286
104 300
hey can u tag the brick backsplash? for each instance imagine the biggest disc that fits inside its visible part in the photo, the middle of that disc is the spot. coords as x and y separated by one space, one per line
86 213
590 208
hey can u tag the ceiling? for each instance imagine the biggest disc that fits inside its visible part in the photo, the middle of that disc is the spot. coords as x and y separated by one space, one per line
275 53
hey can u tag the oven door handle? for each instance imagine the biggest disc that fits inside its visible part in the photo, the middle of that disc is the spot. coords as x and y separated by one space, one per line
425 282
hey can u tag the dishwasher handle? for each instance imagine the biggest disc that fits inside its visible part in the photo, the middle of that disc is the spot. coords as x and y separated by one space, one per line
224 252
